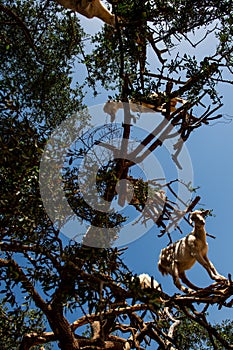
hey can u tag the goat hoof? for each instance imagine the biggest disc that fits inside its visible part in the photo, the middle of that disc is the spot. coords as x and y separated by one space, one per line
187 290
220 278
190 290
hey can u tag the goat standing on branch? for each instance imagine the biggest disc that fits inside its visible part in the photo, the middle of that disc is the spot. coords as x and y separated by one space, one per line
147 281
182 255
90 9
111 107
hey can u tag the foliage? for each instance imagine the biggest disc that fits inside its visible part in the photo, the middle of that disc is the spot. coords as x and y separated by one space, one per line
38 46
187 335
15 323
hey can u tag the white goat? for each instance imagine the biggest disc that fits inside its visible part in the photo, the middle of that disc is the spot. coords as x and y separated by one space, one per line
182 255
90 9
147 281
111 107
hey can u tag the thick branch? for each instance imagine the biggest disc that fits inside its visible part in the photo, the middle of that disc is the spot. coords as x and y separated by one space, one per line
91 318
32 339
19 277
18 247
21 24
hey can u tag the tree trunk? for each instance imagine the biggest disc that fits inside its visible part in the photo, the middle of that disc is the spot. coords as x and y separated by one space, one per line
63 331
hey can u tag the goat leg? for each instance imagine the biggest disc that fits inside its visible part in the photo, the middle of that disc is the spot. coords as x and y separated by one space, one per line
186 281
207 264
98 10
176 280
217 276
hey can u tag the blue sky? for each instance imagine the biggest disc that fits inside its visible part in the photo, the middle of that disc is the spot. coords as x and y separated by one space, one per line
211 152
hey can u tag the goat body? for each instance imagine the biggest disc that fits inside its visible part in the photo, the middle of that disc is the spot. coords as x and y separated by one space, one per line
90 9
182 255
147 281
111 107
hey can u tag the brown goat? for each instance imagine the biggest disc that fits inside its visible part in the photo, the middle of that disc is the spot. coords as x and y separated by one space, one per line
90 9
182 255
111 107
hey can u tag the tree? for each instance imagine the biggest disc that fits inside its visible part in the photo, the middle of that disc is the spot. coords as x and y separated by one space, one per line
40 44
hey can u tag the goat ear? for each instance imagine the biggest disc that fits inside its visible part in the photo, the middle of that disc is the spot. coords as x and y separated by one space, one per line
205 212
190 218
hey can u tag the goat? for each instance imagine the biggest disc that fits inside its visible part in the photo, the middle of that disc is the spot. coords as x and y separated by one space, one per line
111 107
147 281
182 255
90 9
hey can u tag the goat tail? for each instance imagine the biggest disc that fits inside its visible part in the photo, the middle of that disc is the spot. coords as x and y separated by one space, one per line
162 269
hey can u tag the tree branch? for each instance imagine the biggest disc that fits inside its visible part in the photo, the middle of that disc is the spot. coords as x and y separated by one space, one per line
19 277
21 24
